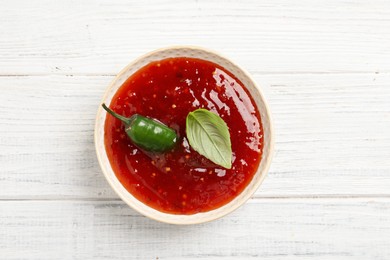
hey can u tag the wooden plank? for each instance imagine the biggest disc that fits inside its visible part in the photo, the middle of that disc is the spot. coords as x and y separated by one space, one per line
98 37
332 136
263 228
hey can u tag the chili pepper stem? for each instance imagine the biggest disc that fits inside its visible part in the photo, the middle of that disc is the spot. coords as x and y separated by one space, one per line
122 118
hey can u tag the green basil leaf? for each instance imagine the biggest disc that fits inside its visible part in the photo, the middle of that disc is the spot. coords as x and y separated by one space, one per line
209 135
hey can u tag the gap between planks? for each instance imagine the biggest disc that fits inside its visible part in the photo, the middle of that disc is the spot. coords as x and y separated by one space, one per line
257 198
251 72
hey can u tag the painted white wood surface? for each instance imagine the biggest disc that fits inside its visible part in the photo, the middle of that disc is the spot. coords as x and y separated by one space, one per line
263 228
100 37
332 136
324 67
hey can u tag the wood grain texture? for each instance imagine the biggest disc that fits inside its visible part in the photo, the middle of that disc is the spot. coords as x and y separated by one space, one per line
99 37
324 67
332 136
263 228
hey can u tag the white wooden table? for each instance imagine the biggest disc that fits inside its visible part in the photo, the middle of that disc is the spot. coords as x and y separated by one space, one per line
323 65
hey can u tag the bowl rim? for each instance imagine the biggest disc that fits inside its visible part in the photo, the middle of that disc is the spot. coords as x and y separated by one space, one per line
265 160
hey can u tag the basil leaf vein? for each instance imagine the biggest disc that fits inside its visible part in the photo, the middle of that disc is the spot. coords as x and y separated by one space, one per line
209 135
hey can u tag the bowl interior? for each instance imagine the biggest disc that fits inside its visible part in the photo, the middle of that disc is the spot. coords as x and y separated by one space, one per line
244 77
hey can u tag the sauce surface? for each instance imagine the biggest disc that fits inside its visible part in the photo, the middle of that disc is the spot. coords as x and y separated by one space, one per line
182 181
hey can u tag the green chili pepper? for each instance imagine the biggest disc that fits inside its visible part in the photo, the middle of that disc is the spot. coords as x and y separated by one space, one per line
147 133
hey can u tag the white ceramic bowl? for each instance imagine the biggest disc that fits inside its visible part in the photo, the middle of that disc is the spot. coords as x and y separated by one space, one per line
249 83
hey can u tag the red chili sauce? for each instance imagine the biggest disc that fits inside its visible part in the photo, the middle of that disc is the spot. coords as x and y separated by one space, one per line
182 181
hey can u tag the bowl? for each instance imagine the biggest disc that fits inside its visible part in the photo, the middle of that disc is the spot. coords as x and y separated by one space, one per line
249 83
